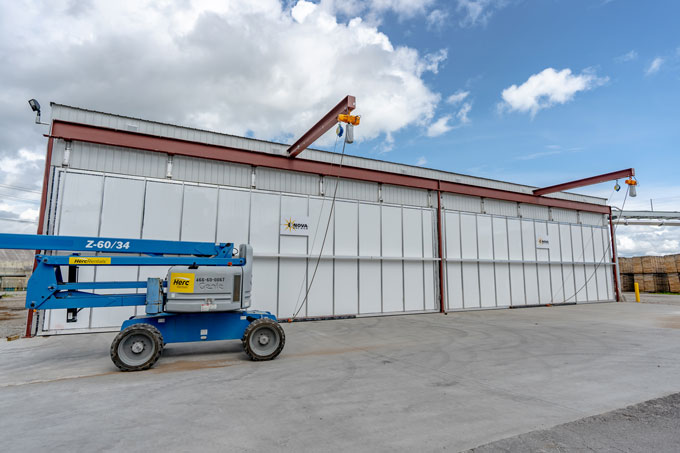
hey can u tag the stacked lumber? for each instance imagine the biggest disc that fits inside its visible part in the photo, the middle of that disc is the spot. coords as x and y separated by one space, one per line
651 273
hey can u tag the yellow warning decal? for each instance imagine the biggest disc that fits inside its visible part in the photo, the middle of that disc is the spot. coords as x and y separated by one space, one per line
181 282
89 260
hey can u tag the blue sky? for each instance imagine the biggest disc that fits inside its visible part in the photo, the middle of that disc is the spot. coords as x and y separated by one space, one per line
631 120
529 91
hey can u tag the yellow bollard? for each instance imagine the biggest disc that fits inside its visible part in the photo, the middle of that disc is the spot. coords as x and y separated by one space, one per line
637 292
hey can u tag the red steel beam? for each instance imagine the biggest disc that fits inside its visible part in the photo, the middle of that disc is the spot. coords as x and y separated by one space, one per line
134 140
586 181
345 106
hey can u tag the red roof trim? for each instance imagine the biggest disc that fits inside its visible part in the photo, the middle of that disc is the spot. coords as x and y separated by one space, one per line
134 140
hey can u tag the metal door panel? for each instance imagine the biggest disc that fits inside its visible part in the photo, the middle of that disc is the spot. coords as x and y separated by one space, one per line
162 211
233 216
264 223
199 214
369 287
392 292
346 288
413 286
292 271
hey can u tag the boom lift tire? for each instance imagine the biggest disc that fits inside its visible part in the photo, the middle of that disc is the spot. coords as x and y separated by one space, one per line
137 348
263 339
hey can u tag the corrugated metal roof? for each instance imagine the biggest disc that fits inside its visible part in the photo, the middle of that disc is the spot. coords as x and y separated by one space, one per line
125 123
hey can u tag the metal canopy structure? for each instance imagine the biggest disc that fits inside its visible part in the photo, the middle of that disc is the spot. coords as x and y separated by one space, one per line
329 119
653 218
586 181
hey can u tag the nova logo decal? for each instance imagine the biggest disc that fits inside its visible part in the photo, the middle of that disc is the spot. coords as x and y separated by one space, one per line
292 225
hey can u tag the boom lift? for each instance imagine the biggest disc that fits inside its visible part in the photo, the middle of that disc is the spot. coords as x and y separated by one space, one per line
204 297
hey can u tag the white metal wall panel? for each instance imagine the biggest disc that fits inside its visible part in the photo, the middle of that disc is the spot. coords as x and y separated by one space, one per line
321 294
264 237
162 211
392 246
121 216
501 270
543 270
351 189
431 277
564 215
461 202
413 270
529 254
211 171
286 181
199 214
487 283
233 212
468 234
532 211
346 288
111 159
78 215
592 218
580 292
556 276
500 207
405 195
292 271
370 293
502 262
454 272
518 287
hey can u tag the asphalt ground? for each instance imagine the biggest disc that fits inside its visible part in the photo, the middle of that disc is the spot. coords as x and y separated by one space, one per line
652 426
397 383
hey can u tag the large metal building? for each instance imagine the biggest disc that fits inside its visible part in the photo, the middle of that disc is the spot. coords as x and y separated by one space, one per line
402 239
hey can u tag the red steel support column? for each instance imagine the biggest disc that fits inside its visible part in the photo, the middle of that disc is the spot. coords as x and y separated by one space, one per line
41 219
442 308
616 273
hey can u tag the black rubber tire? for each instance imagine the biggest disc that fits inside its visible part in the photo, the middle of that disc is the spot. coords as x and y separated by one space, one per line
252 330
138 329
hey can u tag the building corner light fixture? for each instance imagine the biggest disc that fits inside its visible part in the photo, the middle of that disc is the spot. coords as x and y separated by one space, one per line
35 106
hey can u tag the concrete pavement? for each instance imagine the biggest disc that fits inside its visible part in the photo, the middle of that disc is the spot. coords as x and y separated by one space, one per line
425 382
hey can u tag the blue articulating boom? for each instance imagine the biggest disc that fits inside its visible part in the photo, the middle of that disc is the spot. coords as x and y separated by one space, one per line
204 297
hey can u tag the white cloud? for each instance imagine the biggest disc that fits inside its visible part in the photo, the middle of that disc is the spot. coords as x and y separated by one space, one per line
654 66
463 112
628 56
476 12
266 68
439 127
457 97
436 19
404 8
547 88
538 155
421 161
647 240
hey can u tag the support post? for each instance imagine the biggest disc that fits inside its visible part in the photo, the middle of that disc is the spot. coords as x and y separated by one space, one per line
442 308
614 259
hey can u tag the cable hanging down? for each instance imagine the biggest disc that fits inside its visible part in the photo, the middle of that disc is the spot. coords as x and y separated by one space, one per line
325 235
